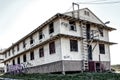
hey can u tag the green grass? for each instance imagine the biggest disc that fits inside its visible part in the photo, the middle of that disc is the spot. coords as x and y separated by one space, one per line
79 76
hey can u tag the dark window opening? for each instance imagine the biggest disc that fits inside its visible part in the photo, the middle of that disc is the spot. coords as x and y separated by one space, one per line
52 47
9 52
13 50
97 67
88 31
40 35
51 28
31 40
90 52
73 45
13 62
72 25
18 60
102 48
17 47
87 13
32 55
24 58
5 55
101 32
41 52
24 44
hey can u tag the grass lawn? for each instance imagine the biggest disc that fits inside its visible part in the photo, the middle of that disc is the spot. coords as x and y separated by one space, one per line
78 76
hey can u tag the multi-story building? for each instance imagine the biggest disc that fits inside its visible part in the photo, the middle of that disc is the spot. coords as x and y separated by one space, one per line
63 43
1 59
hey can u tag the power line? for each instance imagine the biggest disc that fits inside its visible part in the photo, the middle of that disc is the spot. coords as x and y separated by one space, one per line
112 2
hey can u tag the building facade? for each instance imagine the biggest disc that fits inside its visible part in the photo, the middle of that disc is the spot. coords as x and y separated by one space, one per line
64 43
1 60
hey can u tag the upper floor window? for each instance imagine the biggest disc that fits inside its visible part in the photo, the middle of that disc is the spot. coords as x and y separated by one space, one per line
18 60
101 32
24 44
52 47
72 25
13 50
9 52
31 40
31 55
24 58
5 55
41 52
102 48
17 47
73 45
51 28
87 13
40 35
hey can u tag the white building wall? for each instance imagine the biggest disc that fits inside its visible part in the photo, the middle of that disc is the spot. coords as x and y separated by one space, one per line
67 54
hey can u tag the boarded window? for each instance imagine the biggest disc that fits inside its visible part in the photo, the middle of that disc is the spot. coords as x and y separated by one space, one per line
102 48
73 45
18 60
72 25
24 58
31 55
51 28
52 47
41 52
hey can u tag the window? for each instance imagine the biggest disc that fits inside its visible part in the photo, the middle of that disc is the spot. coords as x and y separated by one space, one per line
24 44
102 48
41 52
51 28
101 32
24 58
31 40
5 55
13 62
52 47
89 52
40 35
9 52
18 60
17 47
13 50
32 55
73 45
87 13
72 25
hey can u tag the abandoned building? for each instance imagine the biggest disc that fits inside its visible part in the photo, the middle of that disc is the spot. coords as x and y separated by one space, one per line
1 59
71 42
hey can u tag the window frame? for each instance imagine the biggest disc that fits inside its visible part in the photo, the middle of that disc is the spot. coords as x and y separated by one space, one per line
72 25
24 58
52 48
73 45
41 52
32 55
18 60
102 48
40 35
51 28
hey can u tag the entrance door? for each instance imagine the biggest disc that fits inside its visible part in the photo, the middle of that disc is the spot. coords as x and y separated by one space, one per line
91 66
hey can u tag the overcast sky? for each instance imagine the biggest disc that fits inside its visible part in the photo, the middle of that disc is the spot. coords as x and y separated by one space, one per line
19 17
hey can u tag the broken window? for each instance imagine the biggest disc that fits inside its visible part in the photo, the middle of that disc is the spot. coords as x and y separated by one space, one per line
72 25
73 45
51 28
17 47
32 55
41 52
101 32
24 58
31 40
102 48
13 61
18 60
40 35
52 47
24 44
